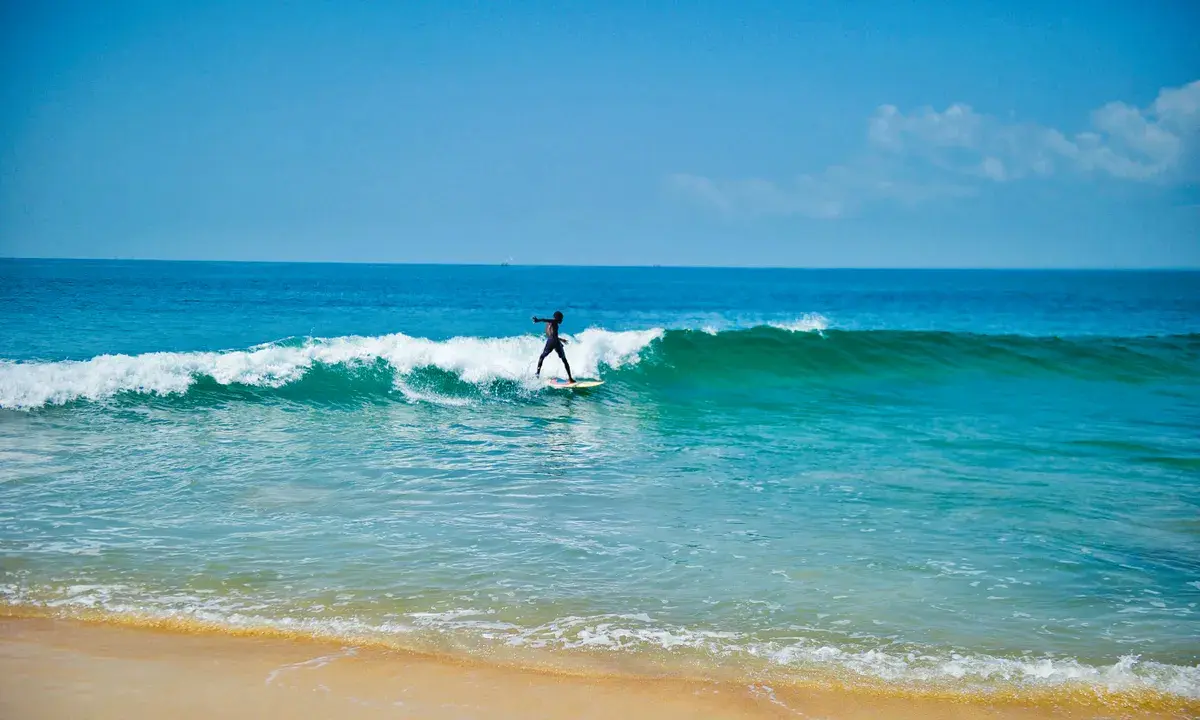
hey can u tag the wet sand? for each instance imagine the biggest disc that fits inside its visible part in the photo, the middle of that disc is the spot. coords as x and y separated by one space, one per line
55 668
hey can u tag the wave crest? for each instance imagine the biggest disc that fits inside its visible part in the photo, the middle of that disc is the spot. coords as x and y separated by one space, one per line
802 352
478 361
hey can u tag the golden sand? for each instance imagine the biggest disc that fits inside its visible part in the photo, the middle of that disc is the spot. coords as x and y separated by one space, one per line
56 668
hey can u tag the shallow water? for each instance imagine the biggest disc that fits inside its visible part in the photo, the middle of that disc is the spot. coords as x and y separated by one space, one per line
966 478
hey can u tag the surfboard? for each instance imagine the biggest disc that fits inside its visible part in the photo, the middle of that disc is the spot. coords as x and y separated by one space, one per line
578 384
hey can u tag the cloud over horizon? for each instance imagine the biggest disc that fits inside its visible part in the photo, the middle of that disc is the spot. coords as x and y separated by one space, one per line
926 154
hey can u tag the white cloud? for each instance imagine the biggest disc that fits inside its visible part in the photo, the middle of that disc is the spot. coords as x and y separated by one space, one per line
917 156
820 197
958 126
838 191
1123 141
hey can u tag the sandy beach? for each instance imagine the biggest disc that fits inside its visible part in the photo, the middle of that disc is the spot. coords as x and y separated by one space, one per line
54 668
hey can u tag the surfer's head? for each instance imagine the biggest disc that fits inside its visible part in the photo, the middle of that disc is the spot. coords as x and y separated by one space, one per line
557 316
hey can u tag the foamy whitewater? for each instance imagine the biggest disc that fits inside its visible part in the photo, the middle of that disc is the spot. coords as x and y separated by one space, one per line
961 481
480 361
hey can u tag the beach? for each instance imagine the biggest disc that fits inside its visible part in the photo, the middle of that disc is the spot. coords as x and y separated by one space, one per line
321 490
56 668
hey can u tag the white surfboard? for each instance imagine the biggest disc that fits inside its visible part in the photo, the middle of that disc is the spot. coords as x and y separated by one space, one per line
578 384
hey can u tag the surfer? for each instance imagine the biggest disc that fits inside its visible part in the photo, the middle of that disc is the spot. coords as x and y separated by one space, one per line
553 342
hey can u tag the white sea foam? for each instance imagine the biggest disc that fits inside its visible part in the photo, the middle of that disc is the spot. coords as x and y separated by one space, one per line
809 322
28 385
628 632
1128 673
314 663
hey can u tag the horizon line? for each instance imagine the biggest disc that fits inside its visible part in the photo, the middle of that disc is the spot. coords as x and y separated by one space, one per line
946 268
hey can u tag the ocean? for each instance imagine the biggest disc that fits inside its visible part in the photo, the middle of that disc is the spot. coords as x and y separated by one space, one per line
971 482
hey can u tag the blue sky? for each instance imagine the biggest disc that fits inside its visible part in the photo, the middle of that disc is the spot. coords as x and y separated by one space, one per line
878 134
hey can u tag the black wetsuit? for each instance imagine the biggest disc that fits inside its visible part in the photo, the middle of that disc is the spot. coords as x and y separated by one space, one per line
553 344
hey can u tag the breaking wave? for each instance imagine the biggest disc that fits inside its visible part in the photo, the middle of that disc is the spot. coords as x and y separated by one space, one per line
457 370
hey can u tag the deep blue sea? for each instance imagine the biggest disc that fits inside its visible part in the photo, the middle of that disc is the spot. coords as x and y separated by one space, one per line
975 480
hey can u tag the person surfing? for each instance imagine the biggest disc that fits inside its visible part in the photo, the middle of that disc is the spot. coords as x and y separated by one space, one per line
553 343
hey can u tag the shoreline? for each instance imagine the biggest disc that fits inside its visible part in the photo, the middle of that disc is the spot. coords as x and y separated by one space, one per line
123 666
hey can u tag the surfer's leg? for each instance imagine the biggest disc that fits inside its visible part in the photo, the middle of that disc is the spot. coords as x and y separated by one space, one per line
559 349
545 351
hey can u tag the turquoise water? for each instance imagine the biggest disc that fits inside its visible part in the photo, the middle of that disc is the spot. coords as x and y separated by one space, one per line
969 479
